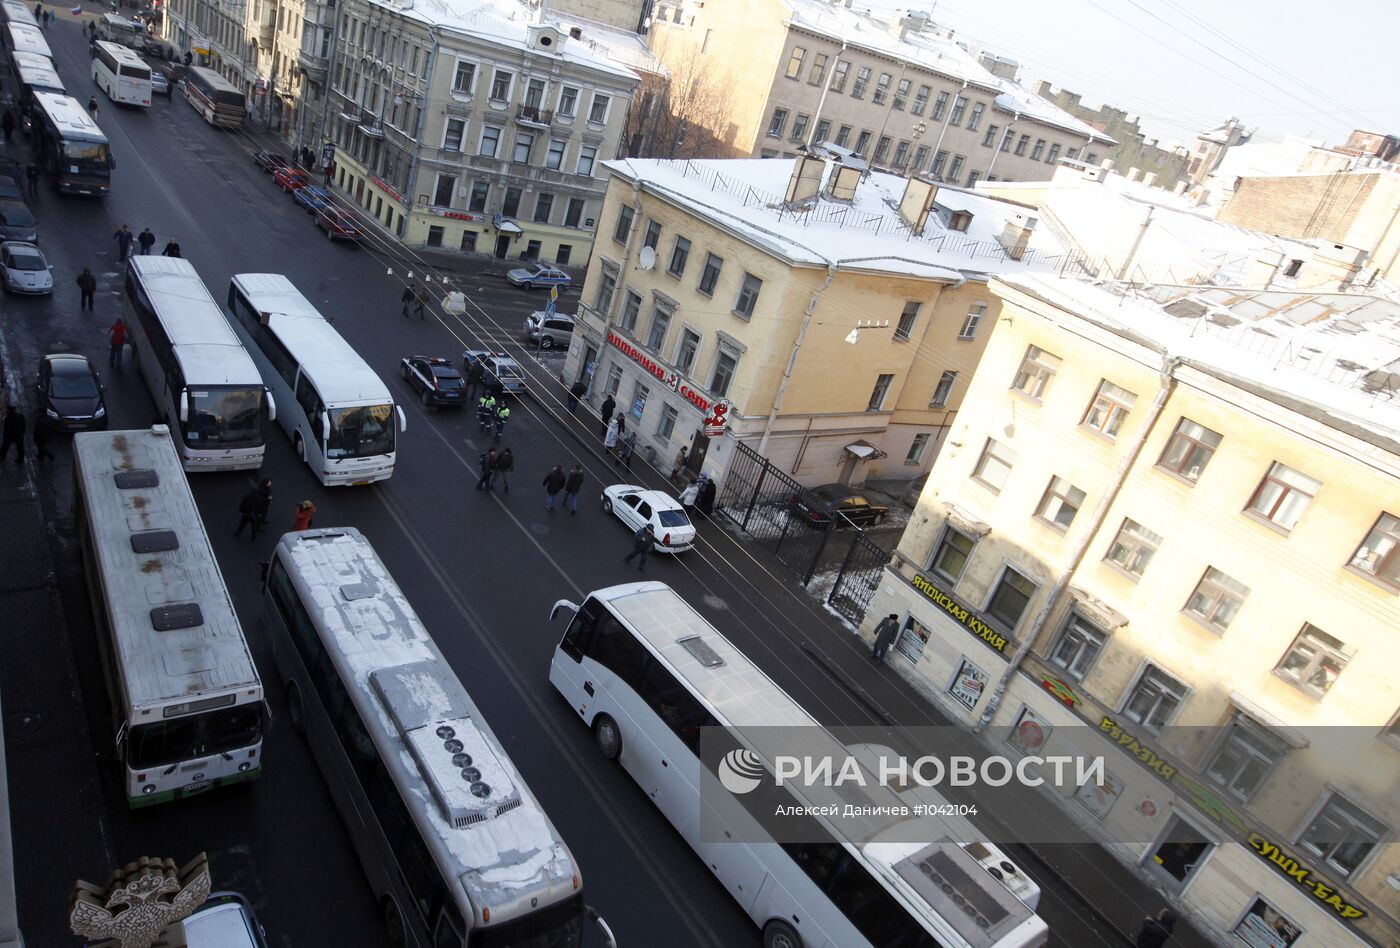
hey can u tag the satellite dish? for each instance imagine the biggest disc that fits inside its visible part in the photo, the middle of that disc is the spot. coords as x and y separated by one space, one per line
647 258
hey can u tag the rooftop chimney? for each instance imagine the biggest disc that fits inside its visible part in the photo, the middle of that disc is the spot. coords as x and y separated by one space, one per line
1106 164
841 183
1134 174
806 180
1016 235
916 203
1181 187
1150 179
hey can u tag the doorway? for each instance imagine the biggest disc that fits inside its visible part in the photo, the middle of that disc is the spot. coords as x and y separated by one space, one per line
1181 850
590 358
502 245
848 468
699 447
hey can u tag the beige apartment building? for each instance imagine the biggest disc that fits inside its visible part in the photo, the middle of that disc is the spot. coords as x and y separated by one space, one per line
903 95
733 291
1165 529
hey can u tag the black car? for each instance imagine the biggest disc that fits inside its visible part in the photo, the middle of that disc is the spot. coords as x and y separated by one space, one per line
437 380
16 223
849 505
174 71
70 392
270 161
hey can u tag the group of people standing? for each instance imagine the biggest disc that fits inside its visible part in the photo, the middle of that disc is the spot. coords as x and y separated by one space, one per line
143 241
253 508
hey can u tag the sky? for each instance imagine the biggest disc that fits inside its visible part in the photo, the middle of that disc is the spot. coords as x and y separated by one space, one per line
1295 66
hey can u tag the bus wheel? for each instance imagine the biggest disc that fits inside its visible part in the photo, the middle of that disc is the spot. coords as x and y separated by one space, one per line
393 924
300 446
296 711
779 934
608 736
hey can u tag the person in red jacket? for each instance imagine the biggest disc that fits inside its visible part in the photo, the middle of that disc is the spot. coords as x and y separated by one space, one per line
305 511
116 335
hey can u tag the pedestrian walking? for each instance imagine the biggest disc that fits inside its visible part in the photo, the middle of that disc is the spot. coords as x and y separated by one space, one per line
252 509
1156 931
7 124
885 632
502 415
42 435
576 391
32 173
572 485
642 542
420 299
505 463
488 469
405 299
553 483
38 10
116 338
605 411
302 519
12 433
705 501
627 446
474 379
610 435
124 237
92 106
87 285
682 456
688 497
146 240
48 18
172 249
485 411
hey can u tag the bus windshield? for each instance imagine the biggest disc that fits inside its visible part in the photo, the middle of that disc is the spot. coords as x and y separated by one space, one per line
361 432
195 735
225 418
87 156
559 926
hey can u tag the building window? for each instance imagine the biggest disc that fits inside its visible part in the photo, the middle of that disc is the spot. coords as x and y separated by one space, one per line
1132 549
823 130
944 389
524 141
623 229
607 286
464 78
974 319
799 126
818 72
1283 495
1342 835
660 324
1010 598
920 156
500 85
838 75
975 119
940 106
562 255
680 252
544 206
445 188
667 425
882 89
723 376
1244 758
920 100
1038 368
901 155
862 80
435 236
469 240
917 447
748 296
955 169
776 123
452 135
639 401
687 350
709 274
554 158
959 107
652 235
586 156
534 93
1060 502
1007 139
1379 556
490 141
1054 155
568 101
1217 599
794 64
843 135
574 214
1108 409
511 205
481 192
1038 150
882 148
1091 159
990 138
1314 661
1154 699
614 380
901 94
972 177
631 309
1078 646
1022 143
940 158
1189 449
994 466
862 143
598 110
907 318
951 555
878 393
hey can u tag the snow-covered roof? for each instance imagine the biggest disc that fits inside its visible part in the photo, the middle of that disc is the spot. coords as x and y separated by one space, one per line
933 49
745 196
623 47
1330 356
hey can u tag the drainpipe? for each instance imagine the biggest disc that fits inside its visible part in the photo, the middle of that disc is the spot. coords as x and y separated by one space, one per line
831 269
830 74
1166 385
996 146
948 118
1137 244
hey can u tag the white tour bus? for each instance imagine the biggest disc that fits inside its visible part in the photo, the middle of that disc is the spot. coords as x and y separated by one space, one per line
205 385
33 73
12 11
337 412
20 37
117 29
186 700
647 672
120 73
458 852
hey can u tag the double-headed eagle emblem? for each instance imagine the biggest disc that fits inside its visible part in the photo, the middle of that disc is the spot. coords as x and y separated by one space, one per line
139 901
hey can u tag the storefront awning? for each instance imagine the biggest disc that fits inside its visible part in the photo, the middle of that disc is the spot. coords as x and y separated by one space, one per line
507 226
865 451
1096 610
1289 735
965 522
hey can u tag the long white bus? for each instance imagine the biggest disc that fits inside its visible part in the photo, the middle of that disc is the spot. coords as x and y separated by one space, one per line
118 29
648 674
205 385
33 73
186 700
120 73
458 852
20 37
337 412
71 148
215 98
13 11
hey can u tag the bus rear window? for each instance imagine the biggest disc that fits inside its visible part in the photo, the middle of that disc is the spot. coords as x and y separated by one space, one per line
136 72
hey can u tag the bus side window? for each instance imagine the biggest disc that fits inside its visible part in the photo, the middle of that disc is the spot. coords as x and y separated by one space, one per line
618 650
578 638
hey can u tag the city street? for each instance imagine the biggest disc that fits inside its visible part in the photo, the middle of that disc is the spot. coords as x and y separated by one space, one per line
482 570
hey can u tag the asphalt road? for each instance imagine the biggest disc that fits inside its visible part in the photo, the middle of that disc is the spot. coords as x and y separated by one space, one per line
481 570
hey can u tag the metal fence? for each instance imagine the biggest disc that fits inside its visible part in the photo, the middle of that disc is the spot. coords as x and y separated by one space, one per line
827 554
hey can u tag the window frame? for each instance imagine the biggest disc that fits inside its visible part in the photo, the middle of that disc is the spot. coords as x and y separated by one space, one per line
713 267
818 71
629 315
622 227
495 139
1083 633
593 107
496 74
1034 377
935 558
979 468
1196 445
975 314
1313 665
1270 477
797 58
684 253
661 316
1109 398
554 156
747 299
457 74
994 590
1132 540
1215 586
588 154
918 445
722 353
1060 493
1138 681
944 389
777 122
884 381
1325 852
1241 724
1387 525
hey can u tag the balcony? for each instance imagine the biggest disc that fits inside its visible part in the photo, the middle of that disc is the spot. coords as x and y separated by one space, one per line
534 117
267 32
317 68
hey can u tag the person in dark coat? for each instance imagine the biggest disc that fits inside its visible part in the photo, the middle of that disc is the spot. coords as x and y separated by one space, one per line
92 110
572 485
475 374
12 433
123 237
626 448
146 240
42 435
172 249
87 285
505 463
32 173
488 469
705 500
576 391
885 633
553 483
252 509
7 124
642 542
406 299
606 411
1156 931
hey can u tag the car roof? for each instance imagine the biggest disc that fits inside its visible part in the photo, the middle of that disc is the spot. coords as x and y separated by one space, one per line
223 924
657 498
68 363
4 178
837 490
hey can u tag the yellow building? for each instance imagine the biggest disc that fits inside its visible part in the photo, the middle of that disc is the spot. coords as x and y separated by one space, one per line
742 284
1166 529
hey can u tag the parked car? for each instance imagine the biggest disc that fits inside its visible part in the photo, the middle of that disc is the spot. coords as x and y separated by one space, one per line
225 920
290 179
152 46
159 84
338 224
500 372
24 268
539 277
636 507
848 504
313 197
269 161
11 168
549 331
437 380
174 71
9 189
70 392
16 223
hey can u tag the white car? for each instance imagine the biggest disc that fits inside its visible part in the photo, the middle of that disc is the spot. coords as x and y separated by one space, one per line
636 506
24 268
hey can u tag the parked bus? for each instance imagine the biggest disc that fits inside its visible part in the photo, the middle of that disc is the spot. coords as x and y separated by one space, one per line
13 11
118 29
204 383
186 700
457 850
337 412
21 37
215 98
121 74
71 149
648 674
33 73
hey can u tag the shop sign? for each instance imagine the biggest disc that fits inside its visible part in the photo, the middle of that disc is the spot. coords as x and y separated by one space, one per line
1265 927
1303 877
963 616
1146 755
459 215
386 189
1098 799
968 684
1059 689
664 375
1030 733
717 420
